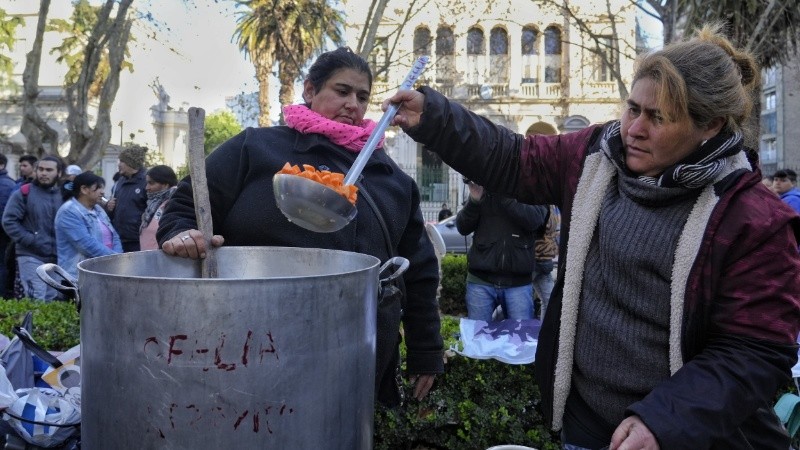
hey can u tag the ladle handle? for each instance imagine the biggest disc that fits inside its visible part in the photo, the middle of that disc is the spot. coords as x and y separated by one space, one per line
377 133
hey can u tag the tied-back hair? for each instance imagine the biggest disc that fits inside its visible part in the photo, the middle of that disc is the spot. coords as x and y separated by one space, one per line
163 174
90 179
329 62
702 78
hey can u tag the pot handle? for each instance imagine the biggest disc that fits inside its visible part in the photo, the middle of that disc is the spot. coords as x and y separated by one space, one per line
67 285
396 263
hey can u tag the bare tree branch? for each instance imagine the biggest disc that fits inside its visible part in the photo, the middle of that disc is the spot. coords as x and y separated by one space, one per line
36 129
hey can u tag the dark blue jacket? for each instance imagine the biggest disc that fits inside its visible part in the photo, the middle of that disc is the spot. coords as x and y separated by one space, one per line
30 221
131 202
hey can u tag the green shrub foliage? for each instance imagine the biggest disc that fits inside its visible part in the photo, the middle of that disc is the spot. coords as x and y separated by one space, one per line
475 404
454 282
56 325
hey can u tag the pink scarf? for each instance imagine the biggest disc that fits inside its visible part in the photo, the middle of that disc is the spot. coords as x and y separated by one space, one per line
351 137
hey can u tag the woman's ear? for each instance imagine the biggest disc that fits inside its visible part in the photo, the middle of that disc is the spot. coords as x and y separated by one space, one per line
308 91
713 128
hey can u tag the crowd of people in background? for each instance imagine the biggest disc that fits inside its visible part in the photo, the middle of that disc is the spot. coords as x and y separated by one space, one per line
58 214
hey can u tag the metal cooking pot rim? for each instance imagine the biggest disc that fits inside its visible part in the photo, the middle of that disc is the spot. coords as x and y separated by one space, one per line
93 265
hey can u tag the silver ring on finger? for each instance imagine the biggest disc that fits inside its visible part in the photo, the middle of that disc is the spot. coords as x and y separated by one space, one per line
184 238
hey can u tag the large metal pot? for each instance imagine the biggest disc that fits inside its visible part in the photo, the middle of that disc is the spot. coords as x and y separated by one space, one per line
278 352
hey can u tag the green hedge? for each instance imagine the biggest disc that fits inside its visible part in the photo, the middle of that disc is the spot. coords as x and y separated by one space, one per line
56 325
475 404
454 280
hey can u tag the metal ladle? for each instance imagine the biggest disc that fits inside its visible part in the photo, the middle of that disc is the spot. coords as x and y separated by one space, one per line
317 207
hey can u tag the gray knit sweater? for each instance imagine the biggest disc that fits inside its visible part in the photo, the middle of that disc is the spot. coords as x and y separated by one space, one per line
625 309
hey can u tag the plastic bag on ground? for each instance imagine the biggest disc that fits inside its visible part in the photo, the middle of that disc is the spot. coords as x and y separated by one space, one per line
18 359
7 393
43 417
510 341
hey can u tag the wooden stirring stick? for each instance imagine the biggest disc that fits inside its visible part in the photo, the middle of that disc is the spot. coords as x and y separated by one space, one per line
202 206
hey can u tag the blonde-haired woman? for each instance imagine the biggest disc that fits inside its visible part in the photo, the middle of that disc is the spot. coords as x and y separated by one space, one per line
673 321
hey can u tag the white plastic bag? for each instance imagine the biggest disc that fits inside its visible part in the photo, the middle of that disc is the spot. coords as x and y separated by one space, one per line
42 417
7 394
510 341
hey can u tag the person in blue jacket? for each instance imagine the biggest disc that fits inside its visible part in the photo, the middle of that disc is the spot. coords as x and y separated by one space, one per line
784 183
83 229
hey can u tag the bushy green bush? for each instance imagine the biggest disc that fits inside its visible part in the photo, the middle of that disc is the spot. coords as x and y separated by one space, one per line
454 282
56 325
475 404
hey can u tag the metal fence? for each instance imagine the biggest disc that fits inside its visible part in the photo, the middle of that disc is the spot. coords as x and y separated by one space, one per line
439 186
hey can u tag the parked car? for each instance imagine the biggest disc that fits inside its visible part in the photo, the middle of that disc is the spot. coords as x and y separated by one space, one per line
453 241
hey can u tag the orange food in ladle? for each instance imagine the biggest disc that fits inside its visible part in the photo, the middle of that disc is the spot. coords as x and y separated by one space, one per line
333 180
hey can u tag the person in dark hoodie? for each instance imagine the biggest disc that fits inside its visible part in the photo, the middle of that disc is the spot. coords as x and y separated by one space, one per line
29 219
502 257
129 197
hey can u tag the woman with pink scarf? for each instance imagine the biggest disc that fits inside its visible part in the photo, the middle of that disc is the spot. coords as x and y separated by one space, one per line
327 132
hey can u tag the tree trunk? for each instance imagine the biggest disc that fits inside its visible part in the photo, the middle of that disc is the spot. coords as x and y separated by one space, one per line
87 144
367 40
287 76
34 127
263 66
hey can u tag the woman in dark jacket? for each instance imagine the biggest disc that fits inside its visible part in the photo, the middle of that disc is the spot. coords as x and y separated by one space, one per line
674 318
327 132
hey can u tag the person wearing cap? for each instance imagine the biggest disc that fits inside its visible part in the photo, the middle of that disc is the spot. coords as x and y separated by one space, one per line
66 181
129 196
72 171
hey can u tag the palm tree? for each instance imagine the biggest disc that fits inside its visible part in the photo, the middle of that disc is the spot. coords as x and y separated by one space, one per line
313 23
288 33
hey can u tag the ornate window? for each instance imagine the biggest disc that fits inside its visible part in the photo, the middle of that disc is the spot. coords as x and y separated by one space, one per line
498 56
476 51
604 59
552 55
530 55
378 59
445 59
422 41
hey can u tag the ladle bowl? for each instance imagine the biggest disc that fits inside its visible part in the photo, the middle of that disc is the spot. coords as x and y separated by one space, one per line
312 205
319 208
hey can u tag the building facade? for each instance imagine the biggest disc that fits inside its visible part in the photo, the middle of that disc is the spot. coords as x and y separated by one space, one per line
525 65
780 108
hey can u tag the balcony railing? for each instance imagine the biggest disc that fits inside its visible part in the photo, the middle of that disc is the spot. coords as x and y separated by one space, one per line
591 89
540 90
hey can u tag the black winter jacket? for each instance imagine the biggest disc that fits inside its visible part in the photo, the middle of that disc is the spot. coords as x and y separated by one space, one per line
131 202
244 212
502 250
